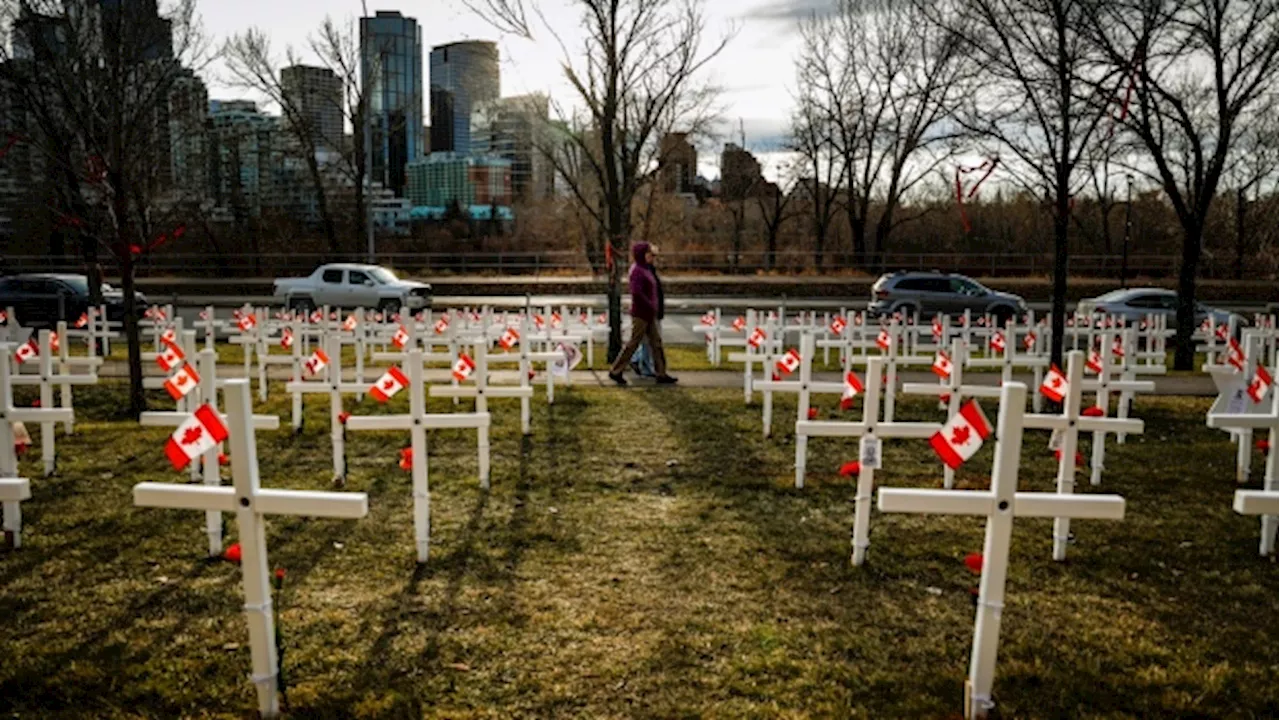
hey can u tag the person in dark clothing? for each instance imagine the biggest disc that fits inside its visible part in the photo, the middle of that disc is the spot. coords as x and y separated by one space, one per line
642 360
646 314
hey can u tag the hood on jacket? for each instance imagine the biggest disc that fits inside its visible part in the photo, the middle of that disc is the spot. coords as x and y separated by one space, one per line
638 252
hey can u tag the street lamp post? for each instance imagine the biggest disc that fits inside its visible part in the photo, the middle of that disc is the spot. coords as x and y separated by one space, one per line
368 133
1128 228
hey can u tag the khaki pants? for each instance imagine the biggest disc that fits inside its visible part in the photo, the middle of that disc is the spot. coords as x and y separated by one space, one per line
642 330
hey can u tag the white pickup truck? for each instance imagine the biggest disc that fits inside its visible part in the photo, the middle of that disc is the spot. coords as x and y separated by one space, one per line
350 285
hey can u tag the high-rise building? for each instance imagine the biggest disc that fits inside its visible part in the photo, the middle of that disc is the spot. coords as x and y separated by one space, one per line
516 128
445 178
463 75
134 30
677 163
391 68
740 175
187 115
314 95
244 151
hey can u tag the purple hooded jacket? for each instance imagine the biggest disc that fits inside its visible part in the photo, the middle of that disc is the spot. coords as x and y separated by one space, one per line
644 286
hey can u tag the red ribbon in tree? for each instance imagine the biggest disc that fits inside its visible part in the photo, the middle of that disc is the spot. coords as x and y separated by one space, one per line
987 167
8 145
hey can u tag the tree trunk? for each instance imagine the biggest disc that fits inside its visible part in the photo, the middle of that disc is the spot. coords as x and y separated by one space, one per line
615 297
137 398
858 233
1241 208
771 246
1059 311
1184 352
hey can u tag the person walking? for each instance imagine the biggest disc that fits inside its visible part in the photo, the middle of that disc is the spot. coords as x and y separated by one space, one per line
646 314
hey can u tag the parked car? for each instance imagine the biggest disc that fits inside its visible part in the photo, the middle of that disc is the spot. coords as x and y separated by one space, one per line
931 293
351 285
1136 303
41 300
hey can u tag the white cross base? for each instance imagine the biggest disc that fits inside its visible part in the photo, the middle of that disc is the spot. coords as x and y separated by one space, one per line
249 501
12 492
1001 504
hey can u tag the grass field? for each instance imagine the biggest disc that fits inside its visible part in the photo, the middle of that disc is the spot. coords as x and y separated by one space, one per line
642 555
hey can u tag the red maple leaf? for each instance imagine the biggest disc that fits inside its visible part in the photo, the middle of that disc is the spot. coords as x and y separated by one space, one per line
1057 382
960 435
390 383
192 435
181 380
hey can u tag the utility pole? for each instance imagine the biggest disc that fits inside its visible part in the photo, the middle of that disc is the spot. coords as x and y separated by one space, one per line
366 101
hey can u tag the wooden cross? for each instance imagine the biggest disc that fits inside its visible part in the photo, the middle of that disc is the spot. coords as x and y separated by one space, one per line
1067 428
207 368
1104 385
417 422
871 430
1252 502
45 379
1001 504
250 502
8 453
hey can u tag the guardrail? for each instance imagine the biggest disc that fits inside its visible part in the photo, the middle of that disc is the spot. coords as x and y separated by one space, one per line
557 262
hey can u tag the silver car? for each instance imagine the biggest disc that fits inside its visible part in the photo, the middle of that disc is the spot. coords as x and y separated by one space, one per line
1134 304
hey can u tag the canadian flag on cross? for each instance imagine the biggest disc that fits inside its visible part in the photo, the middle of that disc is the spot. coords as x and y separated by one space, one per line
4 318
788 363
171 357
391 382
442 325
83 320
1221 331
196 435
962 436
756 338
318 361
937 328
169 336
1055 385
941 365
1235 354
708 318
55 342
1117 347
539 322
997 341
182 382
1258 384
852 386
26 351
463 367
247 322
838 324
510 338
1094 363
350 323
1029 340
739 323
602 319
400 338
286 339
316 316
556 321
883 341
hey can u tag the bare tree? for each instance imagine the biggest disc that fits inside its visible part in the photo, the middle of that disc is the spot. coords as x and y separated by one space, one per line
1199 67
105 95
1252 168
1036 109
636 75
812 140
776 207
887 79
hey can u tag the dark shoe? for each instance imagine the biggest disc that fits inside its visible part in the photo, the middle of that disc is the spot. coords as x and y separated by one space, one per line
667 380
618 379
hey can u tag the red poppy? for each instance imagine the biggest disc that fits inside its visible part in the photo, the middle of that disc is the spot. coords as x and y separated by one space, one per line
232 554
35 403
223 459
343 417
1094 411
944 397
851 468
813 413
973 561
1263 445
279 574
406 458
1057 455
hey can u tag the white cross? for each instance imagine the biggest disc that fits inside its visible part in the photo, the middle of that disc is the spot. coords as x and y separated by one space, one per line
207 368
8 454
1129 370
12 492
45 379
1252 502
334 386
417 422
1009 359
1001 504
482 390
871 430
250 502
802 386
1069 424
1231 384
1104 385
892 361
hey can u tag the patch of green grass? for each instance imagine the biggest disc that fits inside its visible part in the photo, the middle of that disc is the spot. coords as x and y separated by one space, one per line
643 554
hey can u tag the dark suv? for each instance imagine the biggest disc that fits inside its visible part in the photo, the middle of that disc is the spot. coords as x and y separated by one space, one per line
41 300
931 293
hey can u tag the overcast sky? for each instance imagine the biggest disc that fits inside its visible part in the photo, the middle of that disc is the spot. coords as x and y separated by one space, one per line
755 70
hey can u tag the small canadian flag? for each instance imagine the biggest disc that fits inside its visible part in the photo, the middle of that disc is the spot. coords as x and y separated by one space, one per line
169 336
1258 384
286 339
709 318
539 322
756 338
463 367
1094 363
788 363
247 322
583 318
26 351
510 338
1235 355
171 357
602 319
83 320
1029 340
941 365
962 436
196 435
400 338
1117 347
937 327
442 325
1055 385
556 321
1221 331
204 314
182 382
852 386
997 341
318 361
316 316
739 323
882 340
838 324
350 323
391 382
4 317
